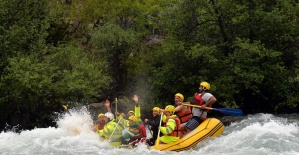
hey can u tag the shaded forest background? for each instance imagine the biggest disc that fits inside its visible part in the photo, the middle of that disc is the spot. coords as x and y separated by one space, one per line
78 52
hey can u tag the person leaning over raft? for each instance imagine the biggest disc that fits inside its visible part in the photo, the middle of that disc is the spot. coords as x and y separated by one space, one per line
111 130
154 124
171 129
133 132
203 99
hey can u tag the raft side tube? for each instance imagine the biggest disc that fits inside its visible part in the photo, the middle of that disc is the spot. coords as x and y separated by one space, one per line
211 127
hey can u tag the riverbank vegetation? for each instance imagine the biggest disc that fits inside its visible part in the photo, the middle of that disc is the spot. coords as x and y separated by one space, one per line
62 52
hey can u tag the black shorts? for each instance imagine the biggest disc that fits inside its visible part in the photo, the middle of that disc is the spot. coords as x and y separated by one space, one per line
193 123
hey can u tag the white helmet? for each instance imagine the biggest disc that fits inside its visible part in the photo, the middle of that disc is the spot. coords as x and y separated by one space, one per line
109 115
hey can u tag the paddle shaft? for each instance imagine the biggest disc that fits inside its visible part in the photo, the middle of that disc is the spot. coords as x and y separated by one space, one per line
228 111
197 106
158 137
116 104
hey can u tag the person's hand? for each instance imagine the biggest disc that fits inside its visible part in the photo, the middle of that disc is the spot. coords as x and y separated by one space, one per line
145 120
116 113
136 98
203 106
107 103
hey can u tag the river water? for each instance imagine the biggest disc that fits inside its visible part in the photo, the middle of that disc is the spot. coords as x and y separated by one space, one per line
259 134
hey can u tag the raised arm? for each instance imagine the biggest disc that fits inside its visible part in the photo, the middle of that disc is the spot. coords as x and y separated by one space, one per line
107 104
137 106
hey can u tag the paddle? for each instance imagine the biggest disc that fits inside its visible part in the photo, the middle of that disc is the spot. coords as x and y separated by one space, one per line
114 130
228 111
158 137
116 104
115 118
66 109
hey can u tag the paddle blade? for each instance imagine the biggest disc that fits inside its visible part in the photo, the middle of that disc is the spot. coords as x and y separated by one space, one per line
157 143
229 111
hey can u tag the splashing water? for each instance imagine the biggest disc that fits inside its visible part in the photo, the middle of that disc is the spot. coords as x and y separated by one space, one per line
76 121
258 134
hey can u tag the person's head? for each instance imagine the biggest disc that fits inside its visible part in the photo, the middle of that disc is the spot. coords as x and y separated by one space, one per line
108 116
133 120
178 98
169 110
204 86
131 113
101 118
156 111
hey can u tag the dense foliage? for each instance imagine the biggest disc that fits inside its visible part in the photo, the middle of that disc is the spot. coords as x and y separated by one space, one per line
69 51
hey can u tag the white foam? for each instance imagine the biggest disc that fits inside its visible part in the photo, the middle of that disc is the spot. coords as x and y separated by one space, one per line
257 134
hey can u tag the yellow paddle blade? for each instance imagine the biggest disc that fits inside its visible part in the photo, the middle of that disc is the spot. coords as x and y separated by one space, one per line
157 143
65 107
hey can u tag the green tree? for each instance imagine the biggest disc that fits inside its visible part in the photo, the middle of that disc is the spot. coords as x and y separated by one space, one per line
208 33
37 77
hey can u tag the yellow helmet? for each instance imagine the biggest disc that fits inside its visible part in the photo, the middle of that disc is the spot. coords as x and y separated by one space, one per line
131 112
181 96
101 114
133 118
205 85
170 108
156 109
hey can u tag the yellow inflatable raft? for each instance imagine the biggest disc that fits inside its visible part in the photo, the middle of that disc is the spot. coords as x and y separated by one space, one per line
211 127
